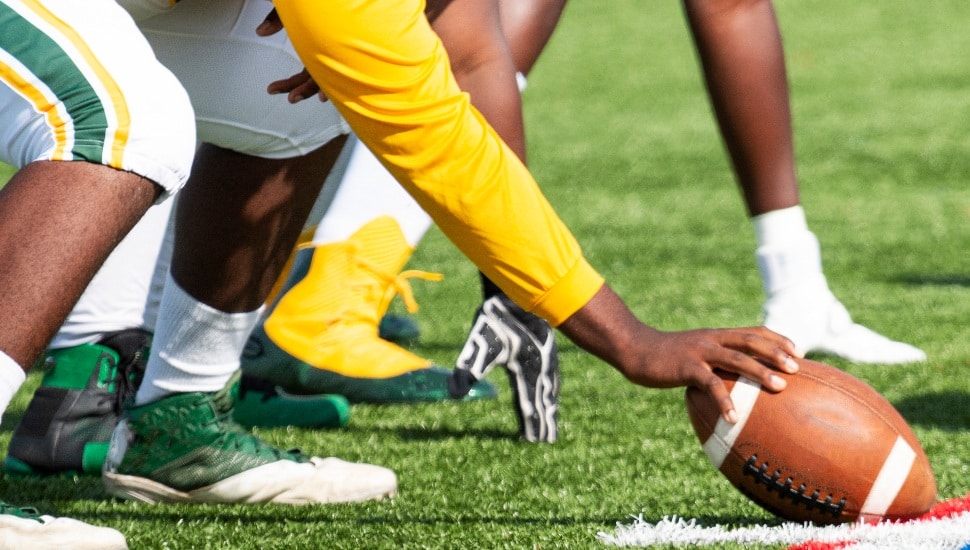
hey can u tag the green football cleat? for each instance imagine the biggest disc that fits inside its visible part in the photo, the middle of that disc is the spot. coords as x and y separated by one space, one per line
321 335
186 448
259 404
263 359
66 427
68 424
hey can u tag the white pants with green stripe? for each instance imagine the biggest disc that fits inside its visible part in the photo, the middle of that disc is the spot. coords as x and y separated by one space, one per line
79 82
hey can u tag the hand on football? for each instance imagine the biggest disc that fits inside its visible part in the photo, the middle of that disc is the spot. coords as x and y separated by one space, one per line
657 359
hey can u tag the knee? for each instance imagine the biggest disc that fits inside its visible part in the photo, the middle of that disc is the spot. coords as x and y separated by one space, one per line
161 132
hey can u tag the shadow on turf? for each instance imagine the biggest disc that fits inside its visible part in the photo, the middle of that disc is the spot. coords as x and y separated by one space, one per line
56 495
935 279
425 434
10 421
944 410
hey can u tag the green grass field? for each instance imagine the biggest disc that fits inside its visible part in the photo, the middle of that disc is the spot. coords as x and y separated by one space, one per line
622 139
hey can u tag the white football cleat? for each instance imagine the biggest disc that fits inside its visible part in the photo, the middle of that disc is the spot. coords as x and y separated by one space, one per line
26 528
821 324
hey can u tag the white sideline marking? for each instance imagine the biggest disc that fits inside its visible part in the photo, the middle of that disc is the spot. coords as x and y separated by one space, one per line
744 394
890 480
932 534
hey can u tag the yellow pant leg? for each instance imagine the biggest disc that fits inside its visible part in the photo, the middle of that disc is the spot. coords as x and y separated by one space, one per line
388 74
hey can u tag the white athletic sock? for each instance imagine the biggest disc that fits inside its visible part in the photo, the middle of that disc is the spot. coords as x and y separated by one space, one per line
368 191
12 376
196 347
799 303
788 252
779 226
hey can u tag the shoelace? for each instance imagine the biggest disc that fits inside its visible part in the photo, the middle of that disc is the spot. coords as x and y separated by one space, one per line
130 367
398 282
127 379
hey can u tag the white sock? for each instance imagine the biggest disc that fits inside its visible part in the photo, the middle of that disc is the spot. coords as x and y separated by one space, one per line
156 287
12 376
779 226
368 191
788 252
800 304
196 347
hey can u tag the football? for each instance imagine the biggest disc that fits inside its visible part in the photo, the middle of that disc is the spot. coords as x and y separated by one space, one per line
828 449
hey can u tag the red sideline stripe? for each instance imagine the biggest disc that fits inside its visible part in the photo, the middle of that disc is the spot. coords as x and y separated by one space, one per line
812 545
947 509
941 510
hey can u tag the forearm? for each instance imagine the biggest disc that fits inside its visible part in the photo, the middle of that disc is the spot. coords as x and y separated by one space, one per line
646 356
606 328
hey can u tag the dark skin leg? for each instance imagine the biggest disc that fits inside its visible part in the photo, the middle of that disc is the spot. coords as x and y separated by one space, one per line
740 51
471 31
239 218
528 25
58 223
741 54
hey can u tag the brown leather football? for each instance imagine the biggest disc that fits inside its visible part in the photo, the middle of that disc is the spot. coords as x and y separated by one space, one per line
828 449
